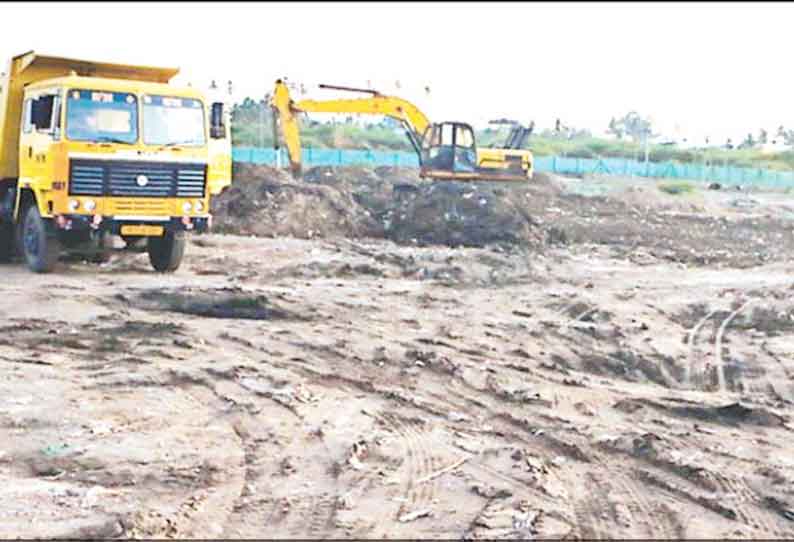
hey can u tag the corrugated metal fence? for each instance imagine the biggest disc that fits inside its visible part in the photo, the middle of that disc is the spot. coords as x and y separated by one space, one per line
554 164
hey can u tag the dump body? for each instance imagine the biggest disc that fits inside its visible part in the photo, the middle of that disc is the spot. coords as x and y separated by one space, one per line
107 149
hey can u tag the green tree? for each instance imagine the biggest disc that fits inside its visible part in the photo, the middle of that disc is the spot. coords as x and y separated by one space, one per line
632 125
615 128
748 142
787 135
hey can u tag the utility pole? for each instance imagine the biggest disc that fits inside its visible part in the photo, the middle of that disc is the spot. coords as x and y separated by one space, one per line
646 133
262 124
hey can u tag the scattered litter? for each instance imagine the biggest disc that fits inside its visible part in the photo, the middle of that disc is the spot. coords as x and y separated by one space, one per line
413 516
54 450
358 453
441 472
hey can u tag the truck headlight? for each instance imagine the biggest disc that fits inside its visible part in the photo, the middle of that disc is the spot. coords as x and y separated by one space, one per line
186 207
199 206
89 205
74 204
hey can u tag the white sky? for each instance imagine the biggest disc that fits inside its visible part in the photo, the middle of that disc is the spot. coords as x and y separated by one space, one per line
710 68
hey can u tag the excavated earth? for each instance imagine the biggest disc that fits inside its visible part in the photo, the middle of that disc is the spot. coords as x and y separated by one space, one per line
364 354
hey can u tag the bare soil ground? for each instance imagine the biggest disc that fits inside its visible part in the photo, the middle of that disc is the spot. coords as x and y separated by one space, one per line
618 366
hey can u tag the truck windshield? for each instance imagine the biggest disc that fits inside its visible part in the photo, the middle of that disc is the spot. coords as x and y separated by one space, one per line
93 115
172 121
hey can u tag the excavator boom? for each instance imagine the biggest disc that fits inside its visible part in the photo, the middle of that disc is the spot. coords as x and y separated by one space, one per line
285 117
413 120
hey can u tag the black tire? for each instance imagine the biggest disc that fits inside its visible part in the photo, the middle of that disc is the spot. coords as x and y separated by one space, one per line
7 242
40 245
165 253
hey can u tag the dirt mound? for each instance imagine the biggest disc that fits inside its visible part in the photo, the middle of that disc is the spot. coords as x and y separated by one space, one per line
268 202
386 202
651 197
460 214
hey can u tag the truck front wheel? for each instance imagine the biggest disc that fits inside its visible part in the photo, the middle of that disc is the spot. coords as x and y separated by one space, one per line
39 245
165 253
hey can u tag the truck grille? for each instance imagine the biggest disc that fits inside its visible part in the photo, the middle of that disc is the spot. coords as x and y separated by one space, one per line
120 178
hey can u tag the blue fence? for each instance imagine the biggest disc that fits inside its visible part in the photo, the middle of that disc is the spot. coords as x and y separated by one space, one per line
327 157
553 164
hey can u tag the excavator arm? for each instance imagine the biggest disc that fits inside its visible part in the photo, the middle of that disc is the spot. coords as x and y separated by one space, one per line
285 117
286 110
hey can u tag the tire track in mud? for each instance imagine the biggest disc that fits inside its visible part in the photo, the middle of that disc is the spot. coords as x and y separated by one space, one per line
731 498
305 514
784 371
640 506
310 513
593 512
498 426
298 514
721 381
614 501
787 371
504 431
746 504
603 488
418 494
249 445
589 512
693 364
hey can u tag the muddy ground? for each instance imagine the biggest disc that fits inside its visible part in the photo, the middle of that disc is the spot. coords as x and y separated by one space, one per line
613 366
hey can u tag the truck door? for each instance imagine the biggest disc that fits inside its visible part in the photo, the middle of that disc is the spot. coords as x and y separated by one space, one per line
41 128
219 171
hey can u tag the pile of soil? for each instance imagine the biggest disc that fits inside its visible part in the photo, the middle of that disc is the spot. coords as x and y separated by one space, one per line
638 222
268 202
386 203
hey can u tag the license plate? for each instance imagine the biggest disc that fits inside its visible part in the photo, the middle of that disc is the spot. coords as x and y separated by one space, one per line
142 230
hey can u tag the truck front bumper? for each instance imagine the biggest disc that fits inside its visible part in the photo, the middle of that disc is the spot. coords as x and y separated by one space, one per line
114 224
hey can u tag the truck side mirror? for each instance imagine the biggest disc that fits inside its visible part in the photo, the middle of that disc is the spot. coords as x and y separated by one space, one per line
217 129
41 112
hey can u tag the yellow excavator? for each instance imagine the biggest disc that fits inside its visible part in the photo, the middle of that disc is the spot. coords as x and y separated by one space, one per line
446 150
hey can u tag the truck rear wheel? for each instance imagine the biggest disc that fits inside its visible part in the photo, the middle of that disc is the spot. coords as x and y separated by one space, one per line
7 242
39 245
165 253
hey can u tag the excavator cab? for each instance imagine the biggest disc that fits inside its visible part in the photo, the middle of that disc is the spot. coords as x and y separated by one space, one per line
449 146
449 152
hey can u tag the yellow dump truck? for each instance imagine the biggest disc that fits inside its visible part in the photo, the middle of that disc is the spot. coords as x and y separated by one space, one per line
92 150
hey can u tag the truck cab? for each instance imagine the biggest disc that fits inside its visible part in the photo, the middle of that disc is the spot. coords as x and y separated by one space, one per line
90 151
